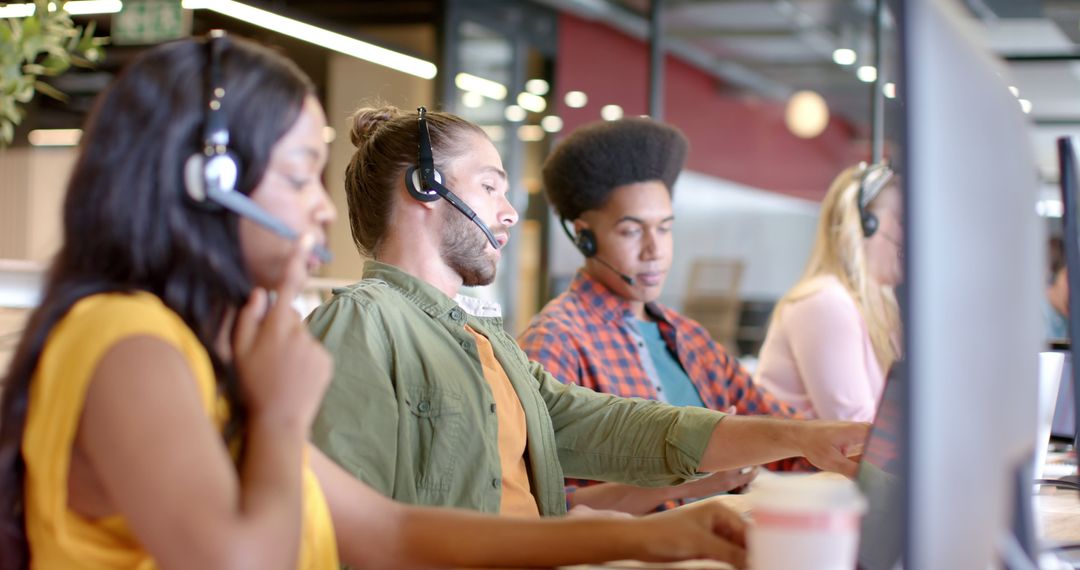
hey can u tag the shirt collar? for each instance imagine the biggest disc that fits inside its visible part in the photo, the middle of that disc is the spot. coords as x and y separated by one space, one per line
425 295
602 302
430 299
478 307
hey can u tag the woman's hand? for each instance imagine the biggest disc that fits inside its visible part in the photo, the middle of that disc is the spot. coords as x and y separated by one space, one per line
283 370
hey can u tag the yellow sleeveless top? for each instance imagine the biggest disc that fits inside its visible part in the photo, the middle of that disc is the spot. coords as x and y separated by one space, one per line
61 538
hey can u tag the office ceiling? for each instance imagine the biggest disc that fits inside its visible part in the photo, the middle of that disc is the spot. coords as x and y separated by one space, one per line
778 45
766 47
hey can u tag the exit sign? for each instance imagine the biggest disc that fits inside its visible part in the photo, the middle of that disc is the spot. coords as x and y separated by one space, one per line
150 22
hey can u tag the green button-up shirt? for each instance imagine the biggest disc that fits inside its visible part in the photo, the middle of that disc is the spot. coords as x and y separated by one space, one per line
410 413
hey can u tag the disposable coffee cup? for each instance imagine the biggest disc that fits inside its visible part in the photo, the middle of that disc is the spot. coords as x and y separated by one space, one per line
809 522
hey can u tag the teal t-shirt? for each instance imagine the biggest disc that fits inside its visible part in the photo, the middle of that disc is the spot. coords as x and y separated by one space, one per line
678 389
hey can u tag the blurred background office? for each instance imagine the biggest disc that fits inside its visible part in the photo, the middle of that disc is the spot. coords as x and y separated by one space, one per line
775 96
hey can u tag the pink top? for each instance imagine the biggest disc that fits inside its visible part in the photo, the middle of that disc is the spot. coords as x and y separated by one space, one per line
818 357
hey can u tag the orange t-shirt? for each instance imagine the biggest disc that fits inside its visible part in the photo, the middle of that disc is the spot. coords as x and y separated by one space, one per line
517 499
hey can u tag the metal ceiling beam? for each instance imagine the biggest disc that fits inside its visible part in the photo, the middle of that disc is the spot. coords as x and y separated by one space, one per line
629 23
656 59
994 9
729 32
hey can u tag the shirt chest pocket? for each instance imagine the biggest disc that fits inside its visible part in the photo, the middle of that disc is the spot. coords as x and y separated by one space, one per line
436 418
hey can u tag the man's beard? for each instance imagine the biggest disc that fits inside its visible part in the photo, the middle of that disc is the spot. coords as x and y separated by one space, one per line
464 250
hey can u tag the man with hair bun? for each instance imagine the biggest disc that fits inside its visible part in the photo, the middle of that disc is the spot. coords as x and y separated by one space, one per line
433 403
613 181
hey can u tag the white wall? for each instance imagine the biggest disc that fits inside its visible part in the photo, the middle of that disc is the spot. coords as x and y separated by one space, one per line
352 83
718 218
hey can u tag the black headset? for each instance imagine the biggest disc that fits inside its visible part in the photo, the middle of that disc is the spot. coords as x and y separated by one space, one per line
215 167
584 241
874 179
211 174
425 183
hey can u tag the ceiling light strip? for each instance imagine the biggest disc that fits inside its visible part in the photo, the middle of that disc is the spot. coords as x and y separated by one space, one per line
75 8
318 36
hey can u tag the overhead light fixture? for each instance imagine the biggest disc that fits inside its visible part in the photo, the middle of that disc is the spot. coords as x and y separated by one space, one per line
844 56
486 87
530 102
515 114
889 89
576 99
318 36
552 123
54 137
611 112
472 99
1025 105
867 74
537 86
1014 90
806 114
530 133
75 8
328 134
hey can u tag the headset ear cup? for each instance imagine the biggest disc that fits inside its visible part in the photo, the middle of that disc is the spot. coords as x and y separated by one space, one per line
415 186
869 224
194 177
224 170
586 242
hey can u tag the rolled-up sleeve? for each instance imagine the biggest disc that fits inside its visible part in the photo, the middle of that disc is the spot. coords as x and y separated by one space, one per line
626 440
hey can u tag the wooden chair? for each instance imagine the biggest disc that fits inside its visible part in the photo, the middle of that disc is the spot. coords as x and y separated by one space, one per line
712 297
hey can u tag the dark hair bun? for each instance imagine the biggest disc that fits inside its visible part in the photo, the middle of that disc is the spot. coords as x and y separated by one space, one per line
367 120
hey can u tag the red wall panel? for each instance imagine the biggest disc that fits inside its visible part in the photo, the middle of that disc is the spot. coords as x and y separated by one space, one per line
733 136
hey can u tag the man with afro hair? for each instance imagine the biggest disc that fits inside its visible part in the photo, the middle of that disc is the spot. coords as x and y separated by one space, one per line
613 182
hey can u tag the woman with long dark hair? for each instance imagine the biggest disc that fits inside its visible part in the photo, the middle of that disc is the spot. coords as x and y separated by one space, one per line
156 411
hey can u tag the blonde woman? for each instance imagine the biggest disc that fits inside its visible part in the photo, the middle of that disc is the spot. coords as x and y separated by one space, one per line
835 334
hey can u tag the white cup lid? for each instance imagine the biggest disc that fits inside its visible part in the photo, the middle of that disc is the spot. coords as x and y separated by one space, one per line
803 493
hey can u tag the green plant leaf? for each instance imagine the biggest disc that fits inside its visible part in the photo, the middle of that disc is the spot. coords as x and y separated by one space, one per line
45 44
7 37
8 111
31 37
87 39
7 131
24 93
46 89
56 63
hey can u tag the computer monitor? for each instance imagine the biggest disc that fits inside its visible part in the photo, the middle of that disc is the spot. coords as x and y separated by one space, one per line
974 280
1063 428
1069 164
881 479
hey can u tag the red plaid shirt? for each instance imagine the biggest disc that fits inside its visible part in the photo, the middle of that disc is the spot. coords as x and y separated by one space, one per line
583 337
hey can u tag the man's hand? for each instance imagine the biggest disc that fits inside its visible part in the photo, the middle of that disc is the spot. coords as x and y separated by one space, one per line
833 446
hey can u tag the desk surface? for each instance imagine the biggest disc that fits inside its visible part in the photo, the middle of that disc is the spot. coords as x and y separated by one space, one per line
1057 512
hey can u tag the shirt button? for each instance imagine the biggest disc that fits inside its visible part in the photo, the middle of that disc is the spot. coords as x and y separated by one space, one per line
466 344
455 314
424 406
495 483
493 408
